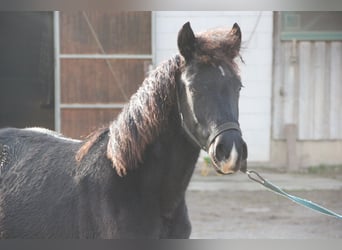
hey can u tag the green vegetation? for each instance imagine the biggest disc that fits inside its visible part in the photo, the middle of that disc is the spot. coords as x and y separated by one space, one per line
207 160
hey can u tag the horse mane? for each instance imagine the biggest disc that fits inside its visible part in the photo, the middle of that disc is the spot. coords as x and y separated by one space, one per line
142 119
147 111
91 139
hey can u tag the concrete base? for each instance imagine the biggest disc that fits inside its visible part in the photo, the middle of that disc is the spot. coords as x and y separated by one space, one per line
309 153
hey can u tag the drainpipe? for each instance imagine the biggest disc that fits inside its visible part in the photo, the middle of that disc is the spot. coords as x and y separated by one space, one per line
290 125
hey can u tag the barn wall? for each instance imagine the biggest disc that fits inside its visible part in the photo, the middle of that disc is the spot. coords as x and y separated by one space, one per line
307 97
308 90
256 73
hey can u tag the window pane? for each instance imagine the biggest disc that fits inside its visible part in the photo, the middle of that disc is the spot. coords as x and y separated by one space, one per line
311 25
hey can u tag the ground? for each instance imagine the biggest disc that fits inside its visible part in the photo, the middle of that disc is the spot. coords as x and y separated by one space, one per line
234 207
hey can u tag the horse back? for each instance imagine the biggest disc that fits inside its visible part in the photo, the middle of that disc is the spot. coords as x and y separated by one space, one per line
31 164
28 147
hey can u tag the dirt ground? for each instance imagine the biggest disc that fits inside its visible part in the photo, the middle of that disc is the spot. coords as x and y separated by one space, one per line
228 208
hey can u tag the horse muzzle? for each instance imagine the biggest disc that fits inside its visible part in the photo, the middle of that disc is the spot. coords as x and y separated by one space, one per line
228 153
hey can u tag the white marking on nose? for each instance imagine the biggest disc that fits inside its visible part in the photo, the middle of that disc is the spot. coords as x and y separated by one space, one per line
222 70
230 163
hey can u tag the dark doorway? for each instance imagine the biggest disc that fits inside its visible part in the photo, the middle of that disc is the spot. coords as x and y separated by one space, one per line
26 69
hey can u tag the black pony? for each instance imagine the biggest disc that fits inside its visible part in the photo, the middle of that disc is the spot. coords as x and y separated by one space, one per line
129 180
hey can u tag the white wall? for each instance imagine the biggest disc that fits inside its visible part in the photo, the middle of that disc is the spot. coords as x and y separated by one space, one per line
256 73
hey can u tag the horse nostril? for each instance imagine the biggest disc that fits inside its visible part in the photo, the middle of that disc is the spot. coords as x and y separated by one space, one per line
220 153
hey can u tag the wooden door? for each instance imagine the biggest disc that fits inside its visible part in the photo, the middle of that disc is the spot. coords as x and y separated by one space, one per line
104 56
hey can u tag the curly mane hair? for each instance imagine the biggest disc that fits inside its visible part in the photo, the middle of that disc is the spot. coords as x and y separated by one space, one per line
142 119
217 46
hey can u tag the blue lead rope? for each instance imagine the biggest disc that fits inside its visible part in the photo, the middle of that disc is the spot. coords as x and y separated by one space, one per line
253 175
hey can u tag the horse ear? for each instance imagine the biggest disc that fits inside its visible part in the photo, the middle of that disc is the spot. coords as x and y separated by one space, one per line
235 34
186 41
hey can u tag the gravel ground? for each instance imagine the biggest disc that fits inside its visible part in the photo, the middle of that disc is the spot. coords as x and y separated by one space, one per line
233 207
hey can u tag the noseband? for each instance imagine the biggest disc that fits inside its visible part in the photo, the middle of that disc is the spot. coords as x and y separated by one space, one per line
217 131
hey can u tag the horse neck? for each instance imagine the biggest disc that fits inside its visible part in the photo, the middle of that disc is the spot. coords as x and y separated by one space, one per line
174 157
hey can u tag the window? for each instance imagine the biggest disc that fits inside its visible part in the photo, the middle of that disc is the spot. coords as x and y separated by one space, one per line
311 25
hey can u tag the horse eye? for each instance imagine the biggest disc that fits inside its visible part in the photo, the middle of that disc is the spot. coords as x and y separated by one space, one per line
238 89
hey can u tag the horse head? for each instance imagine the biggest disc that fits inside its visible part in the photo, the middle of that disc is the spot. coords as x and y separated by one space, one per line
208 90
